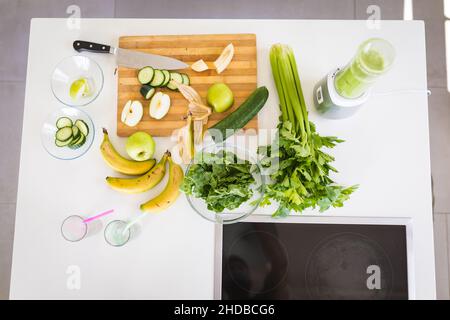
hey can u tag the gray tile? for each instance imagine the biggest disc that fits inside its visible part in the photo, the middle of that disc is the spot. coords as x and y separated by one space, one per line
439 118
433 15
7 216
389 9
276 9
441 247
15 18
11 112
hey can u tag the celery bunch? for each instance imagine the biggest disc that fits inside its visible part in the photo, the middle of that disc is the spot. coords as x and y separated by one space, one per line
302 179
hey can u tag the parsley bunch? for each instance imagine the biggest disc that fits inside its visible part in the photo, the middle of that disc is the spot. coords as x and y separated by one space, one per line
302 178
221 179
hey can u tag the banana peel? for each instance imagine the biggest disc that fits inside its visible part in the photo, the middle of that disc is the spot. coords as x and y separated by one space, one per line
186 146
224 59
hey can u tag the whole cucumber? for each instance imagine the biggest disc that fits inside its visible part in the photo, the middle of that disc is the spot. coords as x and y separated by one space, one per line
242 115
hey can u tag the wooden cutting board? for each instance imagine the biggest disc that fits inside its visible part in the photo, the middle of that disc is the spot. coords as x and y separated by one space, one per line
240 76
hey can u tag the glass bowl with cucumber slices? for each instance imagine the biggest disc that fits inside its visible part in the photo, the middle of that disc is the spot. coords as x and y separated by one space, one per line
67 133
224 183
77 81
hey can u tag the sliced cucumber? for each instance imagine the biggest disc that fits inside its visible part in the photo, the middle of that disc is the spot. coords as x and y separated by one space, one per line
84 128
63 143
64 134
176 77
147 91
79 142
82 142
75 132
63 122
158 79
166 77
146 75
186 80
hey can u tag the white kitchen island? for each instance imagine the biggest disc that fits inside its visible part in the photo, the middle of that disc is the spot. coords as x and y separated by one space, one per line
172 257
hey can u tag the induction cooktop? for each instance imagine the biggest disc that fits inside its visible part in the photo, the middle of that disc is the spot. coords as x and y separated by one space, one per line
263 260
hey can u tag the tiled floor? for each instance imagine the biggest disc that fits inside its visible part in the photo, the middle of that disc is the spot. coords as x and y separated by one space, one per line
14 29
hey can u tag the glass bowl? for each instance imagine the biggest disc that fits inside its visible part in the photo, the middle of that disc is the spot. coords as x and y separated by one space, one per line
246 208
49 129
74 68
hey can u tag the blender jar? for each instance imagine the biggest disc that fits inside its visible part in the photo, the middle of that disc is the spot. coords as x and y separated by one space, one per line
341 93
374 58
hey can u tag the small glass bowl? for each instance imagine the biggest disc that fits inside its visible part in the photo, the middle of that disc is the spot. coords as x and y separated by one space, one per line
246 208
49 129
71 69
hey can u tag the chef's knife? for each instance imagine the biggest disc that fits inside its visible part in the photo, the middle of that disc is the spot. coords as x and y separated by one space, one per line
130 58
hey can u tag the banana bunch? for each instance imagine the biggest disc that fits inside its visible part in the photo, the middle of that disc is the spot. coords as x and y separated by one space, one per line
170 193
121 164
148 176
141 183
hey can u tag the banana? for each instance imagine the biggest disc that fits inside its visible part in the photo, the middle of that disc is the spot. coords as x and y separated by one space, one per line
142 183
119 163
170 193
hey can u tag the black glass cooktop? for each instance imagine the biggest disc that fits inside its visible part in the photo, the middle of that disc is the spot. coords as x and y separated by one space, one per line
314 261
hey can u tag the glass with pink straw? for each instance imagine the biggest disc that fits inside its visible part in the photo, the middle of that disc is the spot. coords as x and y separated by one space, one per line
75 228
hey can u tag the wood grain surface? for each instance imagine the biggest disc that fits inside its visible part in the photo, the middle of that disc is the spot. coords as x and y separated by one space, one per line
240 76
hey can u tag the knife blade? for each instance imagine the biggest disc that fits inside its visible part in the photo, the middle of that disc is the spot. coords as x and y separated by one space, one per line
130 58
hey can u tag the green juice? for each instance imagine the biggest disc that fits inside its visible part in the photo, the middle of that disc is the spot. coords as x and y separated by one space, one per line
373 58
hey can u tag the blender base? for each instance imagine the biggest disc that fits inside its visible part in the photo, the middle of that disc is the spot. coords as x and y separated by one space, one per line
330 104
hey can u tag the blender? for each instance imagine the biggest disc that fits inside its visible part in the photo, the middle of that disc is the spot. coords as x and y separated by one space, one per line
342 92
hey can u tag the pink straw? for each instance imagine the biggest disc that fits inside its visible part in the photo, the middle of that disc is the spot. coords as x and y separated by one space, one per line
98 216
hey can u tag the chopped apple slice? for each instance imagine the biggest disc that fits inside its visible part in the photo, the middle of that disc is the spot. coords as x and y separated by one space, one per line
132 113
199 66
224 59
159 105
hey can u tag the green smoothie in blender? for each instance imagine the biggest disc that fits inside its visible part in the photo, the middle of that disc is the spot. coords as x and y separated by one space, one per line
374 58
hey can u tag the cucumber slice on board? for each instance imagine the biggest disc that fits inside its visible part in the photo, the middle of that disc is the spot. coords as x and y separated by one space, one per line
147 91
166 77
84 128
64 134
63 143
186 80
176 77
158 79
146 75
63 122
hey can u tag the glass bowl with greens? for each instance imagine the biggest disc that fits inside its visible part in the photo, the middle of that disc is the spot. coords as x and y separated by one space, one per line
223 183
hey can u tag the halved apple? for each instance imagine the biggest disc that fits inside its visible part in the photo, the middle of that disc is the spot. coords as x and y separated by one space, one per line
132 113
159 105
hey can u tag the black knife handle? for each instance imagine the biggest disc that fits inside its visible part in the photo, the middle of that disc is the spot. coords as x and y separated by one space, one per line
80 45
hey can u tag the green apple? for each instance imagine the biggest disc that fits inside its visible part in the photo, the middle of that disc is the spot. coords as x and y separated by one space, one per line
140 146
220 97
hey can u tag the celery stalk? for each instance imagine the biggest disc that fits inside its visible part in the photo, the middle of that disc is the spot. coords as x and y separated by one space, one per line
278 85
289 90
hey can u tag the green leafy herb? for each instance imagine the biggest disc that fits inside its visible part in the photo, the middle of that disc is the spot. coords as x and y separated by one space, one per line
302 178
222 180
